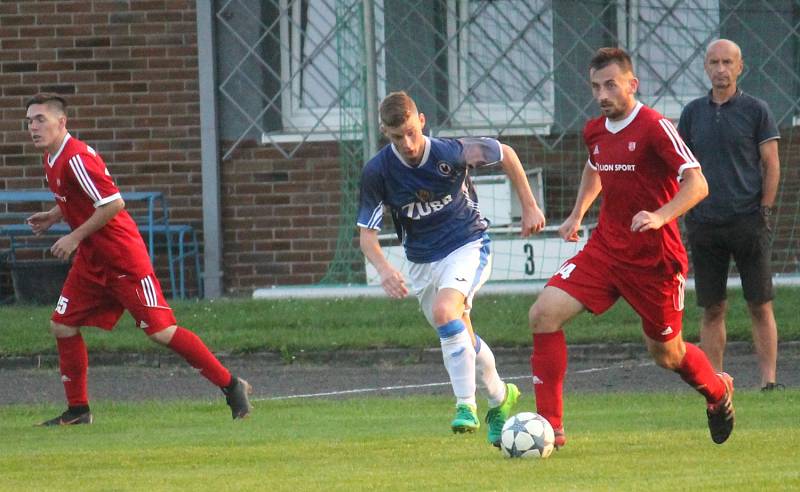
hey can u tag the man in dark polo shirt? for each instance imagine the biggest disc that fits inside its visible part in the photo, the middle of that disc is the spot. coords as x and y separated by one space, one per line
735 138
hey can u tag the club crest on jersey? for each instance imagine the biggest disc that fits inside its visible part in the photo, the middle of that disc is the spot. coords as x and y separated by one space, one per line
444 168
631 146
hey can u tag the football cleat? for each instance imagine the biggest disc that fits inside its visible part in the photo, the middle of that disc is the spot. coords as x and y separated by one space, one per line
237 398
772 387
497 416
560 438
69 418
466 419
721 413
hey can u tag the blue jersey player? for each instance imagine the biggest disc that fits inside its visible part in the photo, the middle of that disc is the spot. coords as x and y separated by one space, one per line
424 183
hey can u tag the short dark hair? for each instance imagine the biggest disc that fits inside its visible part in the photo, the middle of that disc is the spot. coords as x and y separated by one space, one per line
49 98
396 108
606 56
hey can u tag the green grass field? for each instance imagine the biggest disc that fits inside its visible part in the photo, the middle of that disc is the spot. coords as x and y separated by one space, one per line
616 442
245 325
654 441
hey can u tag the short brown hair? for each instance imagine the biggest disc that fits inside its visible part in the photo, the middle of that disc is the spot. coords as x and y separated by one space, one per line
606 56
396 108
49 98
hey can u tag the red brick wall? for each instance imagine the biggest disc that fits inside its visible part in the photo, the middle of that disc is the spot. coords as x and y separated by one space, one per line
129 71
280 216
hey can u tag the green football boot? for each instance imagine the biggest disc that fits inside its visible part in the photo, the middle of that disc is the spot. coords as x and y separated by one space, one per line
496 417
466 419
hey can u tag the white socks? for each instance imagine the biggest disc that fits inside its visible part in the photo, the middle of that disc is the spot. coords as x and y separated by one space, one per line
464 362
487 374
458 355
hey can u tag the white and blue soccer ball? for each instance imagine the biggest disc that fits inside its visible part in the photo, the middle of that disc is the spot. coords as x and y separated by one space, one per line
527 435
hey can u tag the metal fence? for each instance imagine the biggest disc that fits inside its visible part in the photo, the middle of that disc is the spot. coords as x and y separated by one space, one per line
294 71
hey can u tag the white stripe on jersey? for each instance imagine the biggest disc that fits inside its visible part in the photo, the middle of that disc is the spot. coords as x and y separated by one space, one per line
377 215
149 290
83 178
677 141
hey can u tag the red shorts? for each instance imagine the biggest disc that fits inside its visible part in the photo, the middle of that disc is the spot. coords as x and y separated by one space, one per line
91 300
656 296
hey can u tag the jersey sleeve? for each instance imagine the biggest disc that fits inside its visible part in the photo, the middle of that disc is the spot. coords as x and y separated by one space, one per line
370 203
479 152
671 148
93 177
767 129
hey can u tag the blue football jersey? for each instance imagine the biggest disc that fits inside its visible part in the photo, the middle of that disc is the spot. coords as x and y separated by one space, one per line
433 205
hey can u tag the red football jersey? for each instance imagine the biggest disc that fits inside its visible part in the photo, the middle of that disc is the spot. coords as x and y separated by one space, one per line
640 160
80 182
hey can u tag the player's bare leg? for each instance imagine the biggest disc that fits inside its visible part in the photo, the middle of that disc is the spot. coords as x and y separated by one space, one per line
458 354
712 333
694 367
765 340
553 309
73 362
189 346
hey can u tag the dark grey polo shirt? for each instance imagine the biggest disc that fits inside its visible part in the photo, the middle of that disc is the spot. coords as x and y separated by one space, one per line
725 139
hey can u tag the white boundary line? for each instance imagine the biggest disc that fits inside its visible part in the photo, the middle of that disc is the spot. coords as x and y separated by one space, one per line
426 385
525 287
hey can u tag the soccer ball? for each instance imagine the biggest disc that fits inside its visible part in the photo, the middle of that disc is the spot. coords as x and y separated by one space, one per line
527 435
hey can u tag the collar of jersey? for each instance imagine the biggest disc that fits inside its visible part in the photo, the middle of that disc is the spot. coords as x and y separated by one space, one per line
618 126
51 159
425 154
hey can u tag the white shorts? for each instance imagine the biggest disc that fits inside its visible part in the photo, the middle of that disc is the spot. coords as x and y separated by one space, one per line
465 270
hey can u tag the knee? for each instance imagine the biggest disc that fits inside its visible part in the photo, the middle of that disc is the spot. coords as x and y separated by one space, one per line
443 313
164 336
715 312
539 319
761 311
63 331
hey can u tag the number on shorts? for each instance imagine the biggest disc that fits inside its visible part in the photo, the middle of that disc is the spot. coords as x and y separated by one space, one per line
61 307
566 270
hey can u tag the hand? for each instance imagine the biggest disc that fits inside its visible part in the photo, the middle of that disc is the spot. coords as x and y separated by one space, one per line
532 221
646 221
40 222
393 283
64 247
569 229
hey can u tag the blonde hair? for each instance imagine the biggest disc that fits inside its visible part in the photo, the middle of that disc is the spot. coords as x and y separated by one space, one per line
396 108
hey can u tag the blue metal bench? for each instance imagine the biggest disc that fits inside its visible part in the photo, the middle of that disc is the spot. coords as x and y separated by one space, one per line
152 223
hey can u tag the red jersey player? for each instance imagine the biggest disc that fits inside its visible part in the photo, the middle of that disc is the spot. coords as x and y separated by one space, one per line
648 178
111 270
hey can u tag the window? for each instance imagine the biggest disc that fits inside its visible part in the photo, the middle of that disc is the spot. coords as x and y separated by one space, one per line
311 43
500 63
667 41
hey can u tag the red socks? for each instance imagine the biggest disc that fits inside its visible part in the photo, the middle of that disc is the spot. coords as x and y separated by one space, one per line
191 347
73 360
696 370
549 366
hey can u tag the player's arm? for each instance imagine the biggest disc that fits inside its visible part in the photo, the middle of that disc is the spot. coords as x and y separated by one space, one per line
532 217
693 188
41 221
392 280
588 190
66 245
771 167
